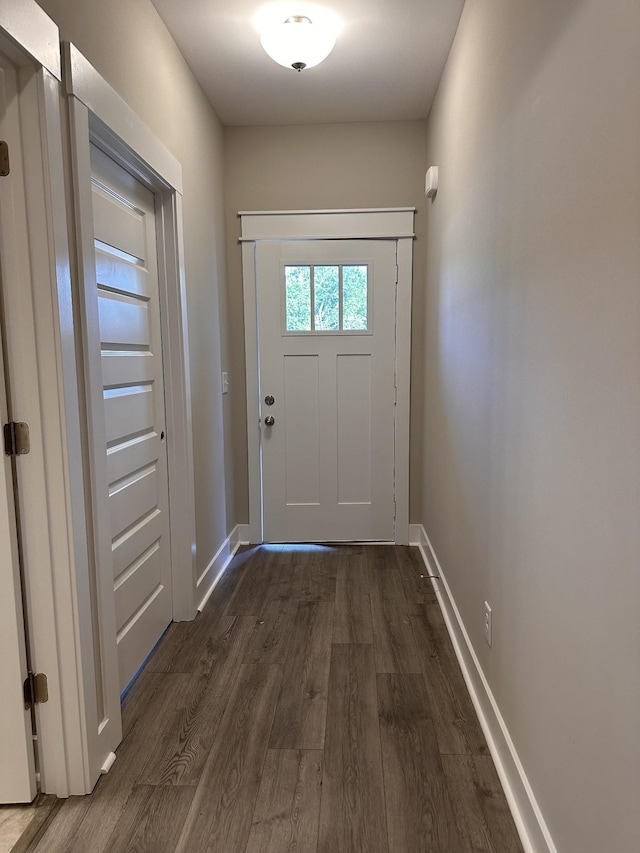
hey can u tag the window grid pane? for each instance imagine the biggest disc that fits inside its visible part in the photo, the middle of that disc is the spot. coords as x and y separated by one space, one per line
327 298
355 297
298 298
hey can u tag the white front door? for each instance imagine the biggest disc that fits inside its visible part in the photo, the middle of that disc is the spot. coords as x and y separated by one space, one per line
134 408
326 332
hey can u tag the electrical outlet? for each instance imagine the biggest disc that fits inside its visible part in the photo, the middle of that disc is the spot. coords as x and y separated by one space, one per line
487 623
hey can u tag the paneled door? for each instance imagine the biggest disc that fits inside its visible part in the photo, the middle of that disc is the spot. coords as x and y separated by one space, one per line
326 332
17 767
134 408
17 764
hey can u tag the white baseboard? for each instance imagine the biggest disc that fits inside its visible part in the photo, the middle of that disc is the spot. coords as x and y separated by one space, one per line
243 534
415 534
533 831
210 577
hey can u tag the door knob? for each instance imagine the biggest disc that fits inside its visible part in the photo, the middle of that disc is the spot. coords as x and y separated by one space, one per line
269 420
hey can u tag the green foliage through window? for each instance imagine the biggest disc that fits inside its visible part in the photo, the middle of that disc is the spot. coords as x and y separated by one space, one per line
354 298
298 298
339 294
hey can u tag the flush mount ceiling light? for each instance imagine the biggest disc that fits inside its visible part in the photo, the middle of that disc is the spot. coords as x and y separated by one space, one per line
298 42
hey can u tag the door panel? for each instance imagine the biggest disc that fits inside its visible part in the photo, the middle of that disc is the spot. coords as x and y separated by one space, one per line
134 415
17 764
327 356
17 770
302 424
355 412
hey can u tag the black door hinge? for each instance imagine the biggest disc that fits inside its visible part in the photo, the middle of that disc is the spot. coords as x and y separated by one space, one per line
36 690
16 439
5 166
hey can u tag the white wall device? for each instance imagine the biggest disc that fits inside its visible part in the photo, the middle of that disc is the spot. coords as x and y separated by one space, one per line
431 182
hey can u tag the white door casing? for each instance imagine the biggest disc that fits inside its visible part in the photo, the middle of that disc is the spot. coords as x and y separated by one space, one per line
41 366
260 227
328 460
98 115
134 408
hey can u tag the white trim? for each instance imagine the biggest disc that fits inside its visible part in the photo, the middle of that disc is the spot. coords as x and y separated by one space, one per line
374 223
323 211
415 536
404 260
345 236
529 820
52 487
29 27
218 566
104 723
177 374
243 534
253 406
89 87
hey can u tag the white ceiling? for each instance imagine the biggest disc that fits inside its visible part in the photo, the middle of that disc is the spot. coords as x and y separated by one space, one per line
385 66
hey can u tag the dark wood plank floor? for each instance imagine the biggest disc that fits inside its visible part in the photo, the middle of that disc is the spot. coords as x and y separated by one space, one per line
316 706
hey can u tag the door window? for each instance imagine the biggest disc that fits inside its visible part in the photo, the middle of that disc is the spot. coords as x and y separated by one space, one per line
326 298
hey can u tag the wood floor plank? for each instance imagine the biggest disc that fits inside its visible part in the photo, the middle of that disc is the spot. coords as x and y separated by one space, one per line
106 805
272 632
393 639
219 820
352 620
420 816
180 648
481 808
166 657
59 834
41 813
417 586
181 756
352 814
288 807
152 820
456 724
248 596
314 573
282 563
138 698
300 717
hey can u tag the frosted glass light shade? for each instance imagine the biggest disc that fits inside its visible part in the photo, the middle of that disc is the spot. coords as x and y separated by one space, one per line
298 43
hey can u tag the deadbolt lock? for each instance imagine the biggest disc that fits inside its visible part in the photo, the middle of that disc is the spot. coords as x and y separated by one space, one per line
269 400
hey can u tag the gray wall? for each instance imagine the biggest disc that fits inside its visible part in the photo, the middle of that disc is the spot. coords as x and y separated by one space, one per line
126 41
531 447
313 167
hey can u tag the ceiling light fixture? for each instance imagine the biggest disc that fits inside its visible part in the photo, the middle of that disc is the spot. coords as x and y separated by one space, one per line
298 42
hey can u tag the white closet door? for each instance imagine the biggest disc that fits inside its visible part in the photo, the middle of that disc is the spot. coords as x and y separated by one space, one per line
134 408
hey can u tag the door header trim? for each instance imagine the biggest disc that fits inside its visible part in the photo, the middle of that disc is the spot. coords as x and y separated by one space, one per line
366 224
29 27
90 88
